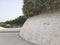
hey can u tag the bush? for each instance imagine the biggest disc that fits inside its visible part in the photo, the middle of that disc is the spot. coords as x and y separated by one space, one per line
2 24
34 7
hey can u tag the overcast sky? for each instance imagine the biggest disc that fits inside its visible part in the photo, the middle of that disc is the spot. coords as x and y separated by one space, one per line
10 9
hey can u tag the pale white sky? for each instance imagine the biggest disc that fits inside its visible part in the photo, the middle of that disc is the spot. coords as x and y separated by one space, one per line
10 9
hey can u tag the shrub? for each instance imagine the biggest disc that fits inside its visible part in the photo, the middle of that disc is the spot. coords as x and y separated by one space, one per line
34 7
2 24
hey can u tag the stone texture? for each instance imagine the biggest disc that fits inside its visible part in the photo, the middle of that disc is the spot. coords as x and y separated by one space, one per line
43 29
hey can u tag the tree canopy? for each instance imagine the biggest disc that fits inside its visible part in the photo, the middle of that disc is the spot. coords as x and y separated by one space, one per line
34 7
18 21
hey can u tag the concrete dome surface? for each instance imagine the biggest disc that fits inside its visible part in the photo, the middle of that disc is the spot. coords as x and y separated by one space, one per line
43 29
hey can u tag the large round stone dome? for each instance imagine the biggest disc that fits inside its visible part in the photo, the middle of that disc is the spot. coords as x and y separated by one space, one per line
43 29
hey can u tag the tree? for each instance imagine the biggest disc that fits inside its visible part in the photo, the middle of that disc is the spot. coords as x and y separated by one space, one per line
18 21
34 7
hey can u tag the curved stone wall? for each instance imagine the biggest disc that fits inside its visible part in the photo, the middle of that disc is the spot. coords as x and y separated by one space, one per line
43 29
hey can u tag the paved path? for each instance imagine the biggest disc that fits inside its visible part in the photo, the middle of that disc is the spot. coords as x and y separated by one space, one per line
12 39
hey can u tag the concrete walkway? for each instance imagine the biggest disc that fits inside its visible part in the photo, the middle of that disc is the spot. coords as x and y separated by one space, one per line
11 37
